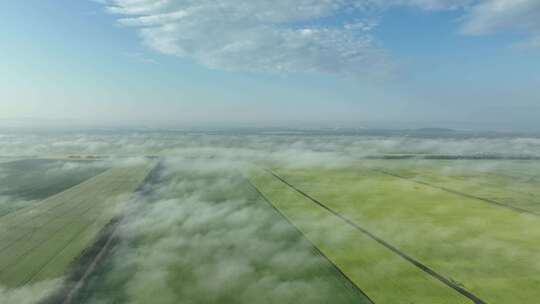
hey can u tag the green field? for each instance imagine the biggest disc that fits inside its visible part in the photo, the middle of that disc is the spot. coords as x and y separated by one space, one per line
377 231
233 247
484 249
25 182
39 242
508 183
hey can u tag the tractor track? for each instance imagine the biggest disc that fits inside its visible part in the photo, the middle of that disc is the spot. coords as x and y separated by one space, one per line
462 194
392 248
355 287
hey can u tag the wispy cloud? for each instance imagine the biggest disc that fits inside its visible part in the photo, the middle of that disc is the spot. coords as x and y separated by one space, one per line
310 36
490 16
263 35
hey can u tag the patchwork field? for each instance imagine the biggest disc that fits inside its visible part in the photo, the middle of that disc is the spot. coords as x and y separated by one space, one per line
464 249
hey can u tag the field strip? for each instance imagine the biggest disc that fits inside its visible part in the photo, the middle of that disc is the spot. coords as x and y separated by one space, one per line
486 200
334 266
71 215
36 227
395 250
68 190
34 203
55 206
51 235
75 236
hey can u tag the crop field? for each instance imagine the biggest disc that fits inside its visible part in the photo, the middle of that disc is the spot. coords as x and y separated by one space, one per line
39 242
219 219
233 246
511 184
24 182
463 246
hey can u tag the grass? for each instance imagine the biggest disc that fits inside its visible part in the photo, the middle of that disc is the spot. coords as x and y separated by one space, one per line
41 241
490 251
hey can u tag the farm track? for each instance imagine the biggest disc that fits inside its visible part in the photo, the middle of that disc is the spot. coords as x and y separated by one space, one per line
354 287
387 245
459 193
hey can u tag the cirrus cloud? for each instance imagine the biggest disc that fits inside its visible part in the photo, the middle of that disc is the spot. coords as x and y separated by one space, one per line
311 36
305 36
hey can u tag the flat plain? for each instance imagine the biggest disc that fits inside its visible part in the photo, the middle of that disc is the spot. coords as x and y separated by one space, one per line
416 231
444 223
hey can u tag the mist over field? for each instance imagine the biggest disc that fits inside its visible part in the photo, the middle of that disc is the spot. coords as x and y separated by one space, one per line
197 230
289 147
201 234
270 152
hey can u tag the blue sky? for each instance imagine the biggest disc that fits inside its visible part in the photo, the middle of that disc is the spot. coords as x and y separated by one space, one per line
433 62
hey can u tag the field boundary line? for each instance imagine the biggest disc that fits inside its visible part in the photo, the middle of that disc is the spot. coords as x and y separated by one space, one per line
72 292
459 193
355 287
99 257
392 248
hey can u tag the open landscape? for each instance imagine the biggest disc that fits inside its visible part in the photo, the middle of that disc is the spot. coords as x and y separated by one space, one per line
309 217
270 152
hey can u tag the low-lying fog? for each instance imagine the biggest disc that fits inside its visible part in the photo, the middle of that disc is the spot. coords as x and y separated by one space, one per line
197 231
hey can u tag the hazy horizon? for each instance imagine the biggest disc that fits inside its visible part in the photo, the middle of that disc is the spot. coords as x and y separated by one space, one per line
468 64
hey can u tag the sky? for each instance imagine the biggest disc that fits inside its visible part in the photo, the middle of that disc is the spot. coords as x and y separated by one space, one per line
462 63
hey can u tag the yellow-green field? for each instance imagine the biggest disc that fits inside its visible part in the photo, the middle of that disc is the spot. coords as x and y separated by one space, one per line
376 231
403 241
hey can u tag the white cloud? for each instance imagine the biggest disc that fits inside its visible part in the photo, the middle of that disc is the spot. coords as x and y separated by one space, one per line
259 35
313 36
491 16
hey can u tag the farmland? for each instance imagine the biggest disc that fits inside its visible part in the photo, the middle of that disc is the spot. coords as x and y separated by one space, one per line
235 248
37 179
285 219
469 246
40 241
